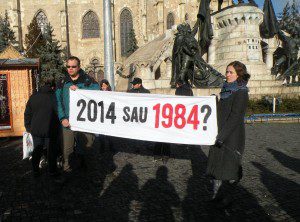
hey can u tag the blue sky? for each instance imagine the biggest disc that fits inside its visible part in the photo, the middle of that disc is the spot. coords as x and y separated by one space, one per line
278 4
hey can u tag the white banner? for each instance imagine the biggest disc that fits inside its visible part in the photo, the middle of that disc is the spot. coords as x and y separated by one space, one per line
151 117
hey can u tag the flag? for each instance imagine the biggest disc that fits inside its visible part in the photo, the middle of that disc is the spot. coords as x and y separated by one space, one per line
269 28
204 23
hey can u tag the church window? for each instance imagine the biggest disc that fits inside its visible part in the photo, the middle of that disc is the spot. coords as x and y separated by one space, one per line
42 21
90 25
170 20
126 27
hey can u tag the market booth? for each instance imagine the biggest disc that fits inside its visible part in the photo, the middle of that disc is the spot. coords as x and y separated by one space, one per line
17 83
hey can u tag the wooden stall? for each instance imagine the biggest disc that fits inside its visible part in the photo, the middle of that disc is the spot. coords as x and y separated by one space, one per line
17 83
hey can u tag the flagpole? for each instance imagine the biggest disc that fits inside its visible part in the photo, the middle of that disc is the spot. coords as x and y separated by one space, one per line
108 46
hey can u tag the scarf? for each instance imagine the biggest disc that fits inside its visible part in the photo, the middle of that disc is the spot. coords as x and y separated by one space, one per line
231 87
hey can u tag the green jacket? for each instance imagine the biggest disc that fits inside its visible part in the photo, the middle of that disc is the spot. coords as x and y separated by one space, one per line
62 92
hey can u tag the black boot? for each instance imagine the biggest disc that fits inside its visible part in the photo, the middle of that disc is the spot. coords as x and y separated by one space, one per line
227 199
217 195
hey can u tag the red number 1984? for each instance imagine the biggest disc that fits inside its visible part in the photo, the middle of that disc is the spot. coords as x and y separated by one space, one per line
176 116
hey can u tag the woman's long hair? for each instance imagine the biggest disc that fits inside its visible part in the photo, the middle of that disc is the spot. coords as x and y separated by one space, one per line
106 82
241 71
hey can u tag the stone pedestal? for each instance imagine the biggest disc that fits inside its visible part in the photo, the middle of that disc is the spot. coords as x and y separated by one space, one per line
212 52
272 46
147 76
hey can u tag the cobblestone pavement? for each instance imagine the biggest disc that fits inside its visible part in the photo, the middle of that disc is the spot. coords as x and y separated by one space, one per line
130 186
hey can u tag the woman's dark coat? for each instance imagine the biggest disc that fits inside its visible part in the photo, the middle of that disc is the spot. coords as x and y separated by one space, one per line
224 163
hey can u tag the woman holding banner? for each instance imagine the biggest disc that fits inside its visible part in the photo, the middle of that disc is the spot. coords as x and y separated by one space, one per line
224 159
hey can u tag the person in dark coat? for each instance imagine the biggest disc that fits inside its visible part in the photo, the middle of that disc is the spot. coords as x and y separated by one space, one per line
105 86
224 159
41 120
164 149
137 86
183 89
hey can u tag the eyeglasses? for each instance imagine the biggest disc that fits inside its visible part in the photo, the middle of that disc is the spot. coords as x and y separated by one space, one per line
73 67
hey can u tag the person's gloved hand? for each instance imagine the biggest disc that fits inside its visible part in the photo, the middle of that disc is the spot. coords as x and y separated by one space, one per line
219 143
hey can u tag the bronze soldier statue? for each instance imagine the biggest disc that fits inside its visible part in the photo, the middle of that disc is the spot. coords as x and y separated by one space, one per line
187 64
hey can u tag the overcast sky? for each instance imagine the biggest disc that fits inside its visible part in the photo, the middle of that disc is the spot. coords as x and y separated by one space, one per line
278 4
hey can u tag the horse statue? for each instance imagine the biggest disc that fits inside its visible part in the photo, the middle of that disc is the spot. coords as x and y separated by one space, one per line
286 65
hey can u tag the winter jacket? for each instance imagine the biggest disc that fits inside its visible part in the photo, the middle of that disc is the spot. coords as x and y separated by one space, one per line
84 81
184 90
40 117
139 90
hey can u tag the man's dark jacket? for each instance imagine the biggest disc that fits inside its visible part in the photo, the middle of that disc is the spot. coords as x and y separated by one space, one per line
62 92
40 115
139 90
184 90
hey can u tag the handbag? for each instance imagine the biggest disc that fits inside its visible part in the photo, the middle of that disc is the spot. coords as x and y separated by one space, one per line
27 145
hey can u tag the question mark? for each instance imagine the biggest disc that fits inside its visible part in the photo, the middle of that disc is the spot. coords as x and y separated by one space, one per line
207 115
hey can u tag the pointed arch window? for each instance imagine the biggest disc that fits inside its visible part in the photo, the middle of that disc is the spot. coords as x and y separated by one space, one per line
90 25
42 21
126 27
170 20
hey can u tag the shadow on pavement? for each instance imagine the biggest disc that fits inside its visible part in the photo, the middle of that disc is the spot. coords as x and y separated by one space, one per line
146 148
114 203
85 197
158 196
287 161
287 198
196 206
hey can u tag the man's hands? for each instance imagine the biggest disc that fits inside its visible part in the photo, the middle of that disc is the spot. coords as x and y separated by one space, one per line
65 123
73 87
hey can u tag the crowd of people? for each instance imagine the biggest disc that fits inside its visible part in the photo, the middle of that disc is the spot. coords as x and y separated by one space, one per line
47 119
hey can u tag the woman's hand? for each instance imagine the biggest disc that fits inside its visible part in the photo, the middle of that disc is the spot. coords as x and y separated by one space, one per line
219 143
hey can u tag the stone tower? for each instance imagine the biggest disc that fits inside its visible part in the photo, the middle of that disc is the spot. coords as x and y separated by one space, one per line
237 36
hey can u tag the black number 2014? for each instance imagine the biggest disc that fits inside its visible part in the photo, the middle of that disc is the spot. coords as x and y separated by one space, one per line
92 111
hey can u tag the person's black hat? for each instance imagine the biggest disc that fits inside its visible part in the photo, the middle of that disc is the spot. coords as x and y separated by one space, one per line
136 81
179 82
